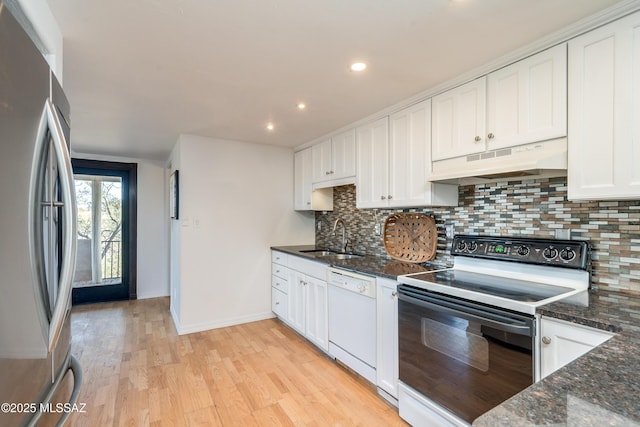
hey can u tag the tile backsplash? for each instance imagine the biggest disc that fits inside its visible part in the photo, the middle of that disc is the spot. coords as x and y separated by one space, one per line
534 208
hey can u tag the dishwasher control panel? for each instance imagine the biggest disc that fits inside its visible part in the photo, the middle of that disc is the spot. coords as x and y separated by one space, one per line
354 282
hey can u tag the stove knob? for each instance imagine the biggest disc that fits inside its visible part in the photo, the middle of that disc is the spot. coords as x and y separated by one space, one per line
550 253
472 246
522 251
462 245
567 254
362 289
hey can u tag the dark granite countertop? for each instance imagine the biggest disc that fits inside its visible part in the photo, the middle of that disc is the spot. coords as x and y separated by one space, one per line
601 388
365 264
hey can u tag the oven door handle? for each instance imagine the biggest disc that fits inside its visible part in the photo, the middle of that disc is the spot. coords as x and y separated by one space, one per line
502 323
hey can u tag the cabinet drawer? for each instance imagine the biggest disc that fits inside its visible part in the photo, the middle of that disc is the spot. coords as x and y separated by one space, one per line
280 271
280 284
308 267
279 258
279 303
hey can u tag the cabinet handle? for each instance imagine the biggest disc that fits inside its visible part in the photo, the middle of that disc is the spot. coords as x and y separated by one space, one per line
327 173
491 136
383 198
546 340
389 197
331 172
277 302
308 203
394 294
477 139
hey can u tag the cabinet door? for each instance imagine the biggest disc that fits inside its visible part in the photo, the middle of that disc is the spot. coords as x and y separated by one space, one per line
343 154
297 289
527 101
372 166
563 342
279 304
302 177
459 121
387 353
604 106
317 313
321 154
410 156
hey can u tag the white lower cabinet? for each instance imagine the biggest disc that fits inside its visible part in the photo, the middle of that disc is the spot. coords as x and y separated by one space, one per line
387 339
301 299
316 313
280 274
562 342
308 308
279 303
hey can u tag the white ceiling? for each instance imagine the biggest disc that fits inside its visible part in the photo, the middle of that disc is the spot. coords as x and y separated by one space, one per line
140 72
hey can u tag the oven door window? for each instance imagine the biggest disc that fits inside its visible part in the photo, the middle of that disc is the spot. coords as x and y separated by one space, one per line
464 364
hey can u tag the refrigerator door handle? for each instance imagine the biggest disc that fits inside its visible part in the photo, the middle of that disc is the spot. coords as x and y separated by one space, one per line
72 365
51 122
68 195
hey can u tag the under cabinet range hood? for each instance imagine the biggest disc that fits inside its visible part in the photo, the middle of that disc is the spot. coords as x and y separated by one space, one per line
544 159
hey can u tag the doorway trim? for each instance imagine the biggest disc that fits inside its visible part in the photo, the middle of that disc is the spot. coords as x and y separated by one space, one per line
130 253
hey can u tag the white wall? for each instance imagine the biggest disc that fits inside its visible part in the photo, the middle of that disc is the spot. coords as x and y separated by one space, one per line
236 200
153 235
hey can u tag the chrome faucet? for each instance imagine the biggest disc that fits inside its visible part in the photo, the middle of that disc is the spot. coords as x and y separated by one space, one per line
344 233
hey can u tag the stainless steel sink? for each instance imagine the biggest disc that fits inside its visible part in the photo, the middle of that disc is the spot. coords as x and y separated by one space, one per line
341 256
324 253
320 252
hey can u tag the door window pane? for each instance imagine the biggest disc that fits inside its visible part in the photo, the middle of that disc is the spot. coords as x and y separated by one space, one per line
99 260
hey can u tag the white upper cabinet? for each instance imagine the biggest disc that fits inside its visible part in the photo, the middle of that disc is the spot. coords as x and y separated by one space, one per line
527 101
335 158
459 120
410 161
305 198
302 179
604 106
372 165
522 103
343 154
322 167
394 159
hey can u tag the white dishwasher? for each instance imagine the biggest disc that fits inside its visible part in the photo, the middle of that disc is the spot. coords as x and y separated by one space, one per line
352 320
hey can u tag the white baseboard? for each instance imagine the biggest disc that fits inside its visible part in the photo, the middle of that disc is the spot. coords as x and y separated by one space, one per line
220 323
152 295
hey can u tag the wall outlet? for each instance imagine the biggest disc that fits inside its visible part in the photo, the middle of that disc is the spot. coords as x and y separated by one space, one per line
318 226
377 229
563 234
449 231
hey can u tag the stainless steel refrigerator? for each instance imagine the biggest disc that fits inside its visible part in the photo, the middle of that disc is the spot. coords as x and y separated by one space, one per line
39 378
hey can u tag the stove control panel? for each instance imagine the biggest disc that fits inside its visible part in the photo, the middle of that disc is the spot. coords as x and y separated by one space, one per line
560 253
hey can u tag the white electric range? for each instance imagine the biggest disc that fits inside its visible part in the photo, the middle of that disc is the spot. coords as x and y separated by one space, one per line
467 334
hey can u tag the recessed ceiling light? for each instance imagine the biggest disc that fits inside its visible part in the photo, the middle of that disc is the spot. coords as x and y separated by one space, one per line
301 105
270 126
358 66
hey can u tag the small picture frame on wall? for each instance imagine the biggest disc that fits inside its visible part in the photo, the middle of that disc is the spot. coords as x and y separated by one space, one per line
174 195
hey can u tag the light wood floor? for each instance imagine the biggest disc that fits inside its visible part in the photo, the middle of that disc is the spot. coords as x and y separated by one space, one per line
139 372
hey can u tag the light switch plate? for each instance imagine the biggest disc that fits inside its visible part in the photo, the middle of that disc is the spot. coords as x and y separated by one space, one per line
563 234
